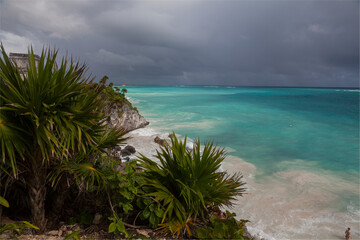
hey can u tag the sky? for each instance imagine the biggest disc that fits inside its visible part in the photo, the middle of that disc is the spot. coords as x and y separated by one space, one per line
287 43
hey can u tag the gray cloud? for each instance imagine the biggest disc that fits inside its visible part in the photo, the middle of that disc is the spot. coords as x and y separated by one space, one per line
129 61
252 43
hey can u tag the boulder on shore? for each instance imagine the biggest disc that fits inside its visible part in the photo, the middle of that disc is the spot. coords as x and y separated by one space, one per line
127 151
160 141
130 149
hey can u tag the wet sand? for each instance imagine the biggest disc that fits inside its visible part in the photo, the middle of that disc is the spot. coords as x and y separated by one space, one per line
294 204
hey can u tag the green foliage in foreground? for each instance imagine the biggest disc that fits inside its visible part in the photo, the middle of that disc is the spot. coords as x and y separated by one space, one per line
53 145
228 228
123 187
4 202
73 235
117 226
50 125
84 218
17 228
186 181
127 198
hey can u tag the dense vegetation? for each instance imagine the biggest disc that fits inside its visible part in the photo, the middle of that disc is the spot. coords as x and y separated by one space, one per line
51 129
56 164
112 95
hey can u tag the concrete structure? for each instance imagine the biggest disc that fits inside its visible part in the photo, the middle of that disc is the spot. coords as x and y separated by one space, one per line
21 61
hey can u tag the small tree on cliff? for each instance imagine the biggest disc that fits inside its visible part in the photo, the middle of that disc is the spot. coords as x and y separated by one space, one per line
50 123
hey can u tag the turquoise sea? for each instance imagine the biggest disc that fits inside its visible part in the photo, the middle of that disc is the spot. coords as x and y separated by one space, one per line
280 131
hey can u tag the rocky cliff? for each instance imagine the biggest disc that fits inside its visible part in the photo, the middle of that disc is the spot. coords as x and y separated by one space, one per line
124 117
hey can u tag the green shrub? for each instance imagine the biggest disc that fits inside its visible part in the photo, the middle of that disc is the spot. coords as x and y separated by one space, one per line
117 226
73 235
186 181
228 228
127 198
16 228
112 94
83 218
123 187
151 210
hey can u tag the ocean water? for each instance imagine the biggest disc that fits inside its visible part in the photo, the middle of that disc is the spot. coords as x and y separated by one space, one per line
298 149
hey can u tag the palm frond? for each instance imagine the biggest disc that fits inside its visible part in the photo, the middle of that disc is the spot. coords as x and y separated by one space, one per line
186 181
85 174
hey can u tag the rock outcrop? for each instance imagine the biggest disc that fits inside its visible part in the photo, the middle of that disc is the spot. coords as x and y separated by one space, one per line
127 151
161 142
124 117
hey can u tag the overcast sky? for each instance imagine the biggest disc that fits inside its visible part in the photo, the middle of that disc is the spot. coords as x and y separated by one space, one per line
187 42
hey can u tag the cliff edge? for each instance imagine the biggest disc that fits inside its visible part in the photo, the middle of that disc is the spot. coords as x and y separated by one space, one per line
119 112
124 116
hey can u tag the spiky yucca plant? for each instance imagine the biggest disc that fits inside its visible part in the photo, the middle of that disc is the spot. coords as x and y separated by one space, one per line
48 118
187 181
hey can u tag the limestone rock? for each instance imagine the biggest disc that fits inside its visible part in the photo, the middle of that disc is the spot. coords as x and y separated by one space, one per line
124 117
4 236
125 153
144 232
76 228
97 218
160 141
130 149
62 228
53 233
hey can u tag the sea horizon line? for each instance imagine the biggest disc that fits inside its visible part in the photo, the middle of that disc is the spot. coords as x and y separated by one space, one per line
232 86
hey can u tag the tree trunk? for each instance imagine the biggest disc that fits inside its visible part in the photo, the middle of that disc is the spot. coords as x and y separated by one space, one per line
36 181
62 191
0 215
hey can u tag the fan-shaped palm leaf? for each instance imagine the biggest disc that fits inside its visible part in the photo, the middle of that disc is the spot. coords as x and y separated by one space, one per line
186 181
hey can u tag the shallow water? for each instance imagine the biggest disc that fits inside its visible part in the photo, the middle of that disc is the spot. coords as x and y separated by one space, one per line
297 148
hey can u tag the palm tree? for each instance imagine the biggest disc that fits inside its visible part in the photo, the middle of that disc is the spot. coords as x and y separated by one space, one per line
50 123
186 182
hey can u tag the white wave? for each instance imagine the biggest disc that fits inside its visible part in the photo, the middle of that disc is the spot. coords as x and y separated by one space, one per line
354 212
295 204
229 150
352 90
258 233
134 100
143 132
348 90
202 124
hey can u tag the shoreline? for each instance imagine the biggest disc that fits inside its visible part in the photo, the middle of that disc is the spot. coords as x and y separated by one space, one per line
289 204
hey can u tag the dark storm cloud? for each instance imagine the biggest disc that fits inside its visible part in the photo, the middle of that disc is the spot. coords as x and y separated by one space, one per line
256 43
